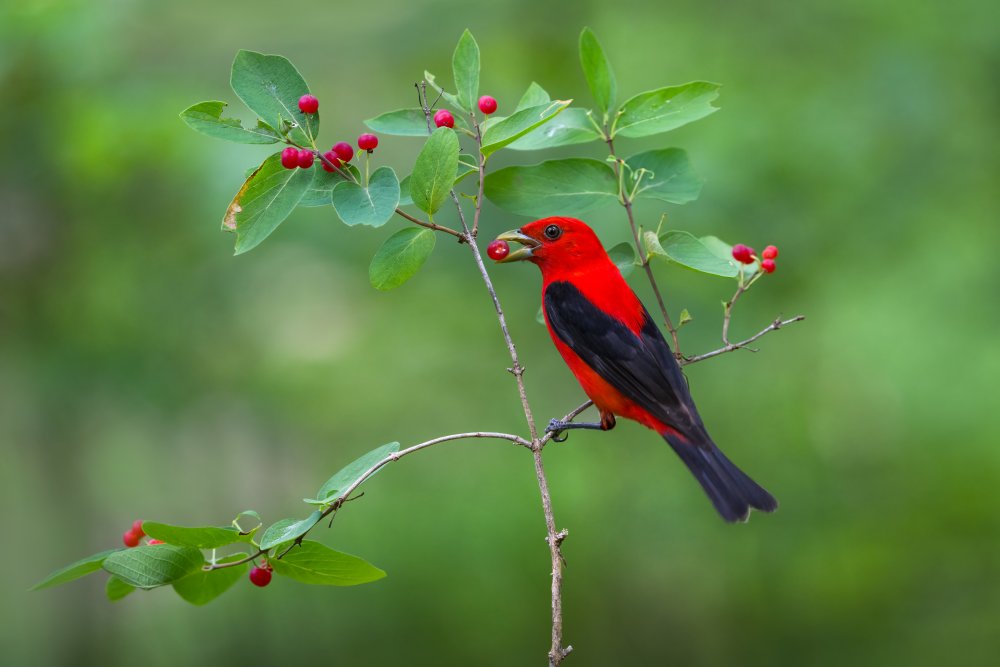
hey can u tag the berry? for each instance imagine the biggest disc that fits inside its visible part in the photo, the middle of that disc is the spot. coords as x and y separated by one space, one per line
137 528
152 542
367 142
260 576
306 158
497 250
131 538
742 253
308 104
770 252
290 157
767 265
487 104
344 151
443 118
333 158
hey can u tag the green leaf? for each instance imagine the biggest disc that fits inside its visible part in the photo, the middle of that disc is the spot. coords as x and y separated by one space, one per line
685 317
404 123
665 109
570 127
688 251
724 251
116 589
288 529
467 165
623 255
271 87
152 566
265 200
465 66
315 563
320 192
668 177
80 568
405 198
556 187
400 257
597 70
372 206
533 96
206 117
204 537
448 97
522 122
346 476
203 586
434 173
540 316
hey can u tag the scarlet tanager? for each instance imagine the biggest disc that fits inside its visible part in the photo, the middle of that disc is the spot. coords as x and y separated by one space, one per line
619 356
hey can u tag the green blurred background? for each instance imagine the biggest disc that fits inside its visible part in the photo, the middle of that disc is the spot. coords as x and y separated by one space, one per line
146 373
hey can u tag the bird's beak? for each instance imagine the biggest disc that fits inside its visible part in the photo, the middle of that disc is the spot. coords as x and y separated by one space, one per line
516 236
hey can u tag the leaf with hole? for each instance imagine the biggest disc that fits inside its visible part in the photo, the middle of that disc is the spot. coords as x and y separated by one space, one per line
206 117
400 257
315 563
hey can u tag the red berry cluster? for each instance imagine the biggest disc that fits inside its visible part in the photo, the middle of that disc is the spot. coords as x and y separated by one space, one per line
444 118
341 153
134 534
497 250
746 255
261 576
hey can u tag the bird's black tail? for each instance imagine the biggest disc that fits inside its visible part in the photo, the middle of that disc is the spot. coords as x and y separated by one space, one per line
731 491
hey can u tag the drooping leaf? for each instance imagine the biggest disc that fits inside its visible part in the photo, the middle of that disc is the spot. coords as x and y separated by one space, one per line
669 176
271 87
465 66
448 97
372 206
623 255
556 187
346 476
80 568
434 172
688 251
203 586
204 537
206 117
665 109
152 566
287 530
597 70
400 257
522 122
116 589
267 197
315 563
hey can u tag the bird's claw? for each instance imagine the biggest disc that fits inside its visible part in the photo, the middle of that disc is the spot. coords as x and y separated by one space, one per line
556 427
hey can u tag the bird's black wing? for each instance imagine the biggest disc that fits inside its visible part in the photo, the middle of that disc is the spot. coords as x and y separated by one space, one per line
642 366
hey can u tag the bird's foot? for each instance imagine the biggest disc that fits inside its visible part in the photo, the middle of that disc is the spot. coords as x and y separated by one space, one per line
557 426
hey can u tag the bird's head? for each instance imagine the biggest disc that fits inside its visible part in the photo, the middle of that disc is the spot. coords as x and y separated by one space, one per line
555 243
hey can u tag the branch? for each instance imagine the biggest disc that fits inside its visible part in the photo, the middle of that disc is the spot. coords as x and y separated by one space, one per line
626 201
430 225
729 347
570 416
339 501
553 537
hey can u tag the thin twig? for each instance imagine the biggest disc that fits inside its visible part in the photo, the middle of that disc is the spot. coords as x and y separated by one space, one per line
430 225
626 202
773 326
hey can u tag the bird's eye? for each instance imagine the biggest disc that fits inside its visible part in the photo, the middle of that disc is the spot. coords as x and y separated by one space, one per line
552 232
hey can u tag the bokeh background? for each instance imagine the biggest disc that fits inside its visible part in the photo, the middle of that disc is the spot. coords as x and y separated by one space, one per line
147 373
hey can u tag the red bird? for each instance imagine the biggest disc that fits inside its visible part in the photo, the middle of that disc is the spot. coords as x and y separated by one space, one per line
620 357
